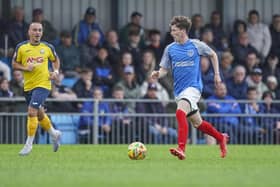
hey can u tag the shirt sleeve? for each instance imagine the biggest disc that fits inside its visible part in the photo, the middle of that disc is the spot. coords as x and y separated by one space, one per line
203 48
17 55
53 55
165 59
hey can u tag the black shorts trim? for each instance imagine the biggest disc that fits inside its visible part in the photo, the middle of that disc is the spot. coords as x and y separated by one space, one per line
192 112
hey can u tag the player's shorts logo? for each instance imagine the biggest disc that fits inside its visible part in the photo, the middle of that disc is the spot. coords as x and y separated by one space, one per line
190 53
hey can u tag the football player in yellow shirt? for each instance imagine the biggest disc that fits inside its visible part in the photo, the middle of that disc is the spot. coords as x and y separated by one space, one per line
32 58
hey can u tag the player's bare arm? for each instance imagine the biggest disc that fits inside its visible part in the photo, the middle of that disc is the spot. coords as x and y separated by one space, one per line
159 74
21 67
56 66
215 64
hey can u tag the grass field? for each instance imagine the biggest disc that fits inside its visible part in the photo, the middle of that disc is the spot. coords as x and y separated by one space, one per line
108 165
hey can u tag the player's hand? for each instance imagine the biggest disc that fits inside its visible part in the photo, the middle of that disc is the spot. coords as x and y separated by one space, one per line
217 79
155 74
29 67
53 76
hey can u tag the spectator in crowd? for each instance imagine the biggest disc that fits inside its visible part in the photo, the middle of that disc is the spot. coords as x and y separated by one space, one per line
242 48
229 124
147 66
219 36
5 88
197 26
114 49
69 55
271 67
134 26
17 29
16 83
237 85
158 127
62 92
259 35
254 79
226 65
208 38
89 49
155 45
50 33
85 128
5 70
275 35
130 86
207 77
250 130
83 87
135 48
239 27
126 60
251 62
82 30
103 76
272 85
122 127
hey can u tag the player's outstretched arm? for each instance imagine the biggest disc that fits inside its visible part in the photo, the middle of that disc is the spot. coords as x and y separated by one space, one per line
159 74
55 66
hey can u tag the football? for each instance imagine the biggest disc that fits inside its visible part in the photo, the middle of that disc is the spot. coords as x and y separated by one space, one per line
137 151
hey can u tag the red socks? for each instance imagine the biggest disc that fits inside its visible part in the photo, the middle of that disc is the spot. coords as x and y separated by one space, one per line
182 128
207 128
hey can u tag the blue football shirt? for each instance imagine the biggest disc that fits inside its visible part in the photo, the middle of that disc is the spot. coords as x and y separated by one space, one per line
184 62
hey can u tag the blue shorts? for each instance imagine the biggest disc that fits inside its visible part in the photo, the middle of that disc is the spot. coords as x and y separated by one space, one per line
36 97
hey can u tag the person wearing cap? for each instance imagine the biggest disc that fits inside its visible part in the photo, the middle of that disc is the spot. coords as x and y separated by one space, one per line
50 33
133 25
84 27
254 79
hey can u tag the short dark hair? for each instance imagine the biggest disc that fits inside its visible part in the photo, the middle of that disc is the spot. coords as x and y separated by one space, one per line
251 88
135 13
252 12
182 22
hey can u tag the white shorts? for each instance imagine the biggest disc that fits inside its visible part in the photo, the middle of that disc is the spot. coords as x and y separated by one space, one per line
192 95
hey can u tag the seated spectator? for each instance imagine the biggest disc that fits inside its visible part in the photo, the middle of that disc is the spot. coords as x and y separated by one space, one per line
17 29
130 86
148 64
50 33
254 79
259 35
126 60
5 88
272 85
82 30
241 50
5 70
83 87
251 62
224 123
89 49
86 129
122 127
271 67
155 45
103 76
69 55
208 38
251 132
207 77
237 85
275 35
158 127
16 83
197 26
239 26
226 65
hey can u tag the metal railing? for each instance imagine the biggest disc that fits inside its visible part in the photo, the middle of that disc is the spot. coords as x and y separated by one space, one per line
128 127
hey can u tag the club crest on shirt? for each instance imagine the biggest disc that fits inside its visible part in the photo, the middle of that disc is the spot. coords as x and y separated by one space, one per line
190 53
42 51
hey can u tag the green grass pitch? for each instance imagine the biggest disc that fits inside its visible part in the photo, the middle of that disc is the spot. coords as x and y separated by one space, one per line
109 165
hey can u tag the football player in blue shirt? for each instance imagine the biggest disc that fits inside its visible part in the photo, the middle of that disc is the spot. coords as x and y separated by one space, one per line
182 57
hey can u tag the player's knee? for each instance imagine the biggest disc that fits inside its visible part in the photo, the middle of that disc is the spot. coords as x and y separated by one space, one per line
196 122
32 112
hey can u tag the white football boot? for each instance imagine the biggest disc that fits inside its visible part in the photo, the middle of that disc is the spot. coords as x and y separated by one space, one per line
25 150
56 140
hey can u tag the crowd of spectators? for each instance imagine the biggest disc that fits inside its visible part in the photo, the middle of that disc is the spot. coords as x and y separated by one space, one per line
106 63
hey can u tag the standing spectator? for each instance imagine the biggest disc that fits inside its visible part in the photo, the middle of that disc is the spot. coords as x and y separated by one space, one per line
83 87
259 35
239 26
275 35
50 33
155 45
69 55
82 30
89 49
86 121
18 28
255 80
197 26
237 85
133 26
16 83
